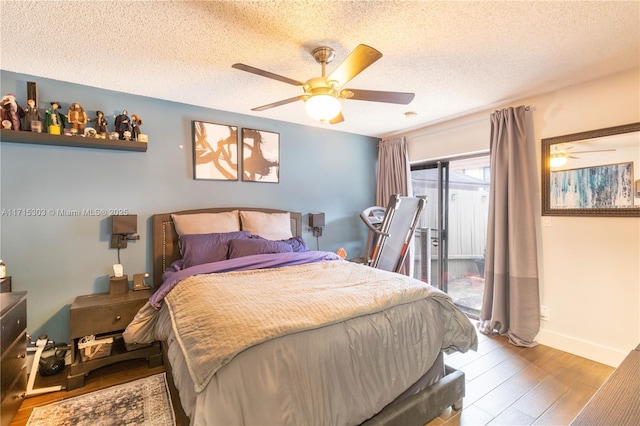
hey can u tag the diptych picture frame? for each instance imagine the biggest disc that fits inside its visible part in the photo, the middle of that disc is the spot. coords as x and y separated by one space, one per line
218 154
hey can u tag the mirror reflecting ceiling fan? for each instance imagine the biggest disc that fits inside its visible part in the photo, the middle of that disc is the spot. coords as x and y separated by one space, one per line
559 156
322 94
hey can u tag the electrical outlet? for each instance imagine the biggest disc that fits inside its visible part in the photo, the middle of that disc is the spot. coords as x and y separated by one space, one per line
544 313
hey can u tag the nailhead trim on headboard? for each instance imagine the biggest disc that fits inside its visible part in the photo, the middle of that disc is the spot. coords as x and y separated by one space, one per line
164 245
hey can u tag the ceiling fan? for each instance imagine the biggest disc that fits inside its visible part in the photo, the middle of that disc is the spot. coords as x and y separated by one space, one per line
559 157
321 94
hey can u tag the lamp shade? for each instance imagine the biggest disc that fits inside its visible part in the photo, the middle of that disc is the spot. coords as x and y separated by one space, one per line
322 107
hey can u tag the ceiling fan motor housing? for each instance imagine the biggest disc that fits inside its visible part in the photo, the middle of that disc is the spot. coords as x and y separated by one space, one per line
319 86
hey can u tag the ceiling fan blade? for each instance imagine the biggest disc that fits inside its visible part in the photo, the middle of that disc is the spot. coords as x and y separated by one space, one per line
277 104
337 119
359 59
377 96
267 74
595 150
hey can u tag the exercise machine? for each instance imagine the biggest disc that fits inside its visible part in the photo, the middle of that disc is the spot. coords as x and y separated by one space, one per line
47 366
391 231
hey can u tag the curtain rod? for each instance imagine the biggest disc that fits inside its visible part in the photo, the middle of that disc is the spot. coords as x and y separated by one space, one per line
526 108
433 132
468 123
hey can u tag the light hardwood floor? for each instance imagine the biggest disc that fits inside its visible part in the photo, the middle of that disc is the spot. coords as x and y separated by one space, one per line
508 385
505 385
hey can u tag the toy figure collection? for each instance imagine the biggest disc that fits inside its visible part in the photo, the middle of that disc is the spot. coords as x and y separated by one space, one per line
14 117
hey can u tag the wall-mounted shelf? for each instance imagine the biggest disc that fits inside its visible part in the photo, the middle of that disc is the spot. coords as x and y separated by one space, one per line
73 141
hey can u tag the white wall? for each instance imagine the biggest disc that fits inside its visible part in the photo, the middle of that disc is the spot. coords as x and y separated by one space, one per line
589 266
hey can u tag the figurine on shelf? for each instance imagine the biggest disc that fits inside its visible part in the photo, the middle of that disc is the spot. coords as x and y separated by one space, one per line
136 122
101 122
54 119
11 111
77 118
31 115
123 124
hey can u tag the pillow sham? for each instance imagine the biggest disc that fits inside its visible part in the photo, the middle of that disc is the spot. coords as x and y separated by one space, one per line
251 246
272 226
206 223
197 249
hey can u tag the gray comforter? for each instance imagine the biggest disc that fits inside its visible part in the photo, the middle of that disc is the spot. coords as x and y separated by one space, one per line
322 343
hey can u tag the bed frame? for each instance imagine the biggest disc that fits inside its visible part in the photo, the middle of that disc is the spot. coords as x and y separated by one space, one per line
416 410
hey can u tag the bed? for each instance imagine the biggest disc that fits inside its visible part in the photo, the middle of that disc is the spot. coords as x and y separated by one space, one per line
273 333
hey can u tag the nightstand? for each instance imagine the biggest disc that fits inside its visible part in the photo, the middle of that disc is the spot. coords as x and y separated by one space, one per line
104 316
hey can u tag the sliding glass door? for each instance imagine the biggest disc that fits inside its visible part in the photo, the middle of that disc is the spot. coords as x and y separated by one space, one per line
451 237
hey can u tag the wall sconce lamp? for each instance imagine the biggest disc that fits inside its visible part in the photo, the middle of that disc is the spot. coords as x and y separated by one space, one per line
122 228
316 222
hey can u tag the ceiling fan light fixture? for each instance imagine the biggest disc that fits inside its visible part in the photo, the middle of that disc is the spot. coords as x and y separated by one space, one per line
322 107
557 160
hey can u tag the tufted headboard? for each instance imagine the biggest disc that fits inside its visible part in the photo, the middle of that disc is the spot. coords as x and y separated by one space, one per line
165 239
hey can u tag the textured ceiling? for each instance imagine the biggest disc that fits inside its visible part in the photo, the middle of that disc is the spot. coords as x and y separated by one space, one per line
456 56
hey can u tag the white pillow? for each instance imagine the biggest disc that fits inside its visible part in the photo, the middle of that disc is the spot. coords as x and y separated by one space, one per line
272 226
206 223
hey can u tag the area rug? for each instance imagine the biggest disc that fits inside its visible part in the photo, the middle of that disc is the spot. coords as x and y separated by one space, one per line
141 402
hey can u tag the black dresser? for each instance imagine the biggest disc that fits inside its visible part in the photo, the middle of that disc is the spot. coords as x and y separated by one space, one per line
13 340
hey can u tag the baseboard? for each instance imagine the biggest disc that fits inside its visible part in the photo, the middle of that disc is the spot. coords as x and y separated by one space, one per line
586 349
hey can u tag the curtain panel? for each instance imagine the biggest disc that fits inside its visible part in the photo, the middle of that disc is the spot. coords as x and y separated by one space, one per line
393 170
511 302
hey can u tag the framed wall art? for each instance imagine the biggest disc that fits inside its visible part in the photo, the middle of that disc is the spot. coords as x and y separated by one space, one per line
592 173
215 151
260 156
598 187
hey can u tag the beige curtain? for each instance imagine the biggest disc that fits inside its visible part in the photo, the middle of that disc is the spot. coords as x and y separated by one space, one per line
393 170
511 303
394 177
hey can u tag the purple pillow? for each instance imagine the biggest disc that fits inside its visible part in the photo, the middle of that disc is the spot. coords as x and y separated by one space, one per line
297 244
198 249
250 246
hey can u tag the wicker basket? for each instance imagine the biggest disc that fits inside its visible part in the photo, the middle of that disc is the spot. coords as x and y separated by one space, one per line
94 349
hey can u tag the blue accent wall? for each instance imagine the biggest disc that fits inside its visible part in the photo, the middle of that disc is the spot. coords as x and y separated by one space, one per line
56 258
